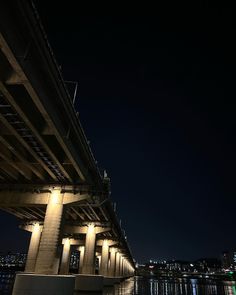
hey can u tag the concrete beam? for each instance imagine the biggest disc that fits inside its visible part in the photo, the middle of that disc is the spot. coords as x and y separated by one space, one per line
21 158
19 199
73 229
5 154
109 242
27 147
74 242
33 129
19 72
77 229
28 227
100 230
71 198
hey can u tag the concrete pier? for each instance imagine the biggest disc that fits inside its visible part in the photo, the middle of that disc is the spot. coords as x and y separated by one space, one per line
33 248
65 260
112 268
81 258
118 262
50 235
89 253
104 259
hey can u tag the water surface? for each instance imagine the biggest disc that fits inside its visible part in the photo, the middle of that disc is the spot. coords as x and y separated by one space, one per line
144 286
148 286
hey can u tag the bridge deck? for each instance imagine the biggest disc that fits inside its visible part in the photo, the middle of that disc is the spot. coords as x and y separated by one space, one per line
41 136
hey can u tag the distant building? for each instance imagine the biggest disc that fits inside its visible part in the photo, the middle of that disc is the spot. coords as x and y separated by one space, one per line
13 260
234 260
207 265
74 260
226 261
178 265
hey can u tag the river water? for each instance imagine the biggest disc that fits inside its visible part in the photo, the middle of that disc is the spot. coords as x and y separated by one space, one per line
145 286
139 285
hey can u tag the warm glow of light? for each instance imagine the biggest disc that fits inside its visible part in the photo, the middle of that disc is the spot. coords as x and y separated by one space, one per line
67 242
81 248
36 227
105 242
55 197
113 250
91 228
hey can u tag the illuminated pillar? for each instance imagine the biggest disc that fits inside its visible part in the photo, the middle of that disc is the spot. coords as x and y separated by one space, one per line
111 271
65 260
33 248
48 246
57 261
117 272
124 267
127 268
89 265
121 266
104 260
81 258
98 257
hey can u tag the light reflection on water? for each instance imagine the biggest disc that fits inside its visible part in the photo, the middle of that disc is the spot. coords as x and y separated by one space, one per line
143 286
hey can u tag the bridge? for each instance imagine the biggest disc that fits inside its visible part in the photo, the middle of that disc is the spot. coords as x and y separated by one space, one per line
49 178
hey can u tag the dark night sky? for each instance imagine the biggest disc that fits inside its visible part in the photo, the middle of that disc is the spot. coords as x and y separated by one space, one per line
157 101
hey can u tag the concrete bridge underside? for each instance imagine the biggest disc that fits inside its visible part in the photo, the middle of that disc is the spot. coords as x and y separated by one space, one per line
49 178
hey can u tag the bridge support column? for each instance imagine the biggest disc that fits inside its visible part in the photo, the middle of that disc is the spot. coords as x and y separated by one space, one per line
104 259
99 258
111 271
126 268
81 258
89 253
65 260
122 266
45 263
33 248
117 271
